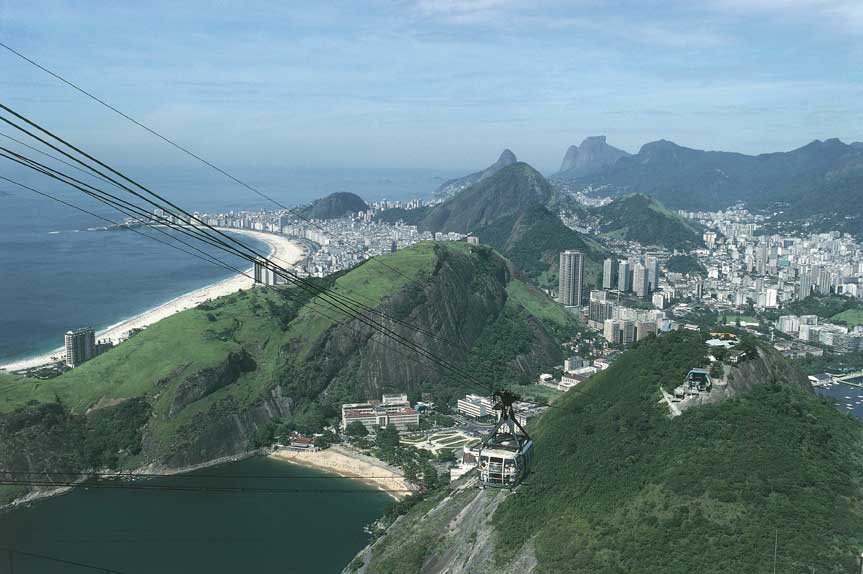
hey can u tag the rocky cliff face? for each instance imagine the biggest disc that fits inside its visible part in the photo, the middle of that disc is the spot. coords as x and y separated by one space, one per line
452 534
591 156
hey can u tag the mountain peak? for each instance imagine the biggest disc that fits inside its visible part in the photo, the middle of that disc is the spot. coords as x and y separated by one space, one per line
507 157
509 190
453 186
592 155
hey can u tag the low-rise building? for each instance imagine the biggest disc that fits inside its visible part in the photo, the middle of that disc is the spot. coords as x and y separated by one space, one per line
475 406
391 410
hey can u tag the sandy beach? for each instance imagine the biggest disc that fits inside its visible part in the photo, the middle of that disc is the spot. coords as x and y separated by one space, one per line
351 464
283 251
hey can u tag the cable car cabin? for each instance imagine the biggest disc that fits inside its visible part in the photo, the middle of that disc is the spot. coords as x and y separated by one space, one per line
505 455
504 464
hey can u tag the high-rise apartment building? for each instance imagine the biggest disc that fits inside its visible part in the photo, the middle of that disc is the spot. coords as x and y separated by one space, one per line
624 277
608 273
80 346
571 278
652 264
641 284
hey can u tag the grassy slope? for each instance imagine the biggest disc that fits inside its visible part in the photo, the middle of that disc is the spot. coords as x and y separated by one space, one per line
619 487
277 330
852 317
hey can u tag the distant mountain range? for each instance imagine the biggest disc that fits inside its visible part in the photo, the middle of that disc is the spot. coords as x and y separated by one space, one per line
334 205
591 156
821 179
453 186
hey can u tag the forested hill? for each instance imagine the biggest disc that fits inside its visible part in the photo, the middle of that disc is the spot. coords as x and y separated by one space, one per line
505 193
511 211
218 380
334 206
618 486
823 175
639 217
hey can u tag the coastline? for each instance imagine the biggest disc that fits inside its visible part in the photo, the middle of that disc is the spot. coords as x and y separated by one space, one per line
282 249
351 464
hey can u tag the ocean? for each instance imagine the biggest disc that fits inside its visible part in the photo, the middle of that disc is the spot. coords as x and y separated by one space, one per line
55 275
146 531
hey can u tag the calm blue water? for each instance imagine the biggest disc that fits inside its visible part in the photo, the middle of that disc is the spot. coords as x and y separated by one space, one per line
849 398
138 531
54 277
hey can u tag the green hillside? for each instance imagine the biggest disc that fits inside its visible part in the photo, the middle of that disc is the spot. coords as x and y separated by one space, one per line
512 211
334 205
533 240
618 486
214 381
503 194
639 217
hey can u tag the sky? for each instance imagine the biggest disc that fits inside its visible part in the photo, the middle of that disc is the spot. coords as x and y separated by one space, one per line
435 84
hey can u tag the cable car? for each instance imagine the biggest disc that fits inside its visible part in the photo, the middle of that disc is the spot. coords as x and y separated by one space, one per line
505 455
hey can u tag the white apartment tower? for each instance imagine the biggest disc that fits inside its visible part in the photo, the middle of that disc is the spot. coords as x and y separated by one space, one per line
80 346
608 273
571 278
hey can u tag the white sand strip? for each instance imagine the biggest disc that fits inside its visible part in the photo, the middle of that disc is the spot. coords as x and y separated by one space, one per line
351 464
283 251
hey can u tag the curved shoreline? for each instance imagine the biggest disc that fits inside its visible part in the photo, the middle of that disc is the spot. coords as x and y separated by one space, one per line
282 249
350 464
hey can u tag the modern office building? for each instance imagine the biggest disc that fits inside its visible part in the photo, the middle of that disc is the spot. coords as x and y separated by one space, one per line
571 278
624 277
609 268
80 346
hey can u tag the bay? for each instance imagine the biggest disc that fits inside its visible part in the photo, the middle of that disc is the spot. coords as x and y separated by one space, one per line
145 531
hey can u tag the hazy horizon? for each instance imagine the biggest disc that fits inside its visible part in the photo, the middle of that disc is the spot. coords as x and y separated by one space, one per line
437 85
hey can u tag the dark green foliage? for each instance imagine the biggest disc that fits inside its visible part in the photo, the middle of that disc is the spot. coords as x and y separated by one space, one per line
640 218
830 363
356 428
326 439
617 486
387 439
334 205
115 432
825 307
406 216
685 264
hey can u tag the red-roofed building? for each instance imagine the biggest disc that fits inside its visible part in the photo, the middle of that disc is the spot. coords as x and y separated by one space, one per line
393 410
